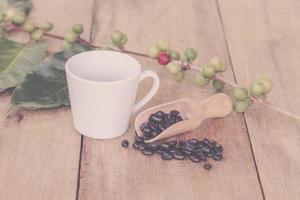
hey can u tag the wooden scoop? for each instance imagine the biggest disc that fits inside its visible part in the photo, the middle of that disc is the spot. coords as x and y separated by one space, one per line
193 112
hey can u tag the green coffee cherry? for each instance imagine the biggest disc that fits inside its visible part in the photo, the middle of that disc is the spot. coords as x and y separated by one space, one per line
201 80
2 16
28 27
37 35
179 76
19 18
218 84
218 64
174 55
208 71
117 37
163 45
267 83
240 94
124 40
257 89
71 37
153 51
47 26
174 67
66 45
249 101
77 28
190 54
241 106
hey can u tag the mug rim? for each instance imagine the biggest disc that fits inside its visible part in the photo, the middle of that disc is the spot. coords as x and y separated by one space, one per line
75 76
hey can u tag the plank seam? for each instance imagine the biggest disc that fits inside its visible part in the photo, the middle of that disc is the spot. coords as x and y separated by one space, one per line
235 80
79 168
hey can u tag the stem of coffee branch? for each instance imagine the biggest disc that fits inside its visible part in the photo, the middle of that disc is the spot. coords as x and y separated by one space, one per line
187 67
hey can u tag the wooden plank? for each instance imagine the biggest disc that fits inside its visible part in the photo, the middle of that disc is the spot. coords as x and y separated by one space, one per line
263 38
39 157
110 172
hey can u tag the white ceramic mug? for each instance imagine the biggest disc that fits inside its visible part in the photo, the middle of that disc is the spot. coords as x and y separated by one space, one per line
102 88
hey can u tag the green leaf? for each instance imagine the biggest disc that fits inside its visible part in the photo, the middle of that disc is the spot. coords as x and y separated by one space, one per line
46 87
22 5
17 60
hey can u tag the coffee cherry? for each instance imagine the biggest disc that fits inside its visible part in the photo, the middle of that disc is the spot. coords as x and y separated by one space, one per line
267 83
71 37
240 94
174 55
11 12
241 106
218 84
208 71
163 58
179 76
257 89
29 27
190 54
37 35
77 28
124 40
47 26
66 45
174 67
153 51
163 45
249 101
217 64
19 18
201 80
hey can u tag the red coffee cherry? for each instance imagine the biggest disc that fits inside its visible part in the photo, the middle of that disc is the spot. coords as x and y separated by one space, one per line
163 58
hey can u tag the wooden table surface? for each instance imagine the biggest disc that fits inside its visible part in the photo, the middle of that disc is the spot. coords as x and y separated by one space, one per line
43 157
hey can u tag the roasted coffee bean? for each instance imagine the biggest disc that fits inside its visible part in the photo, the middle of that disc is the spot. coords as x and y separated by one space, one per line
153 125
178 155
144 125
142 146
194 158
207 166
147 133
166 155
153 146
154 133
178 119
202 156
210 153
135 145
213 143
206 141
218 148
148 151
165 146
198 150
138 139
205 149
174 112
189 148
186 152
172 143
173 149
125 143
154 118
159 150
161 126
181 143
217 156
192 142
160 114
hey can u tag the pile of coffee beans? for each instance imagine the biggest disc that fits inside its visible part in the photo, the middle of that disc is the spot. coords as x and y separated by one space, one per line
193 149
158 122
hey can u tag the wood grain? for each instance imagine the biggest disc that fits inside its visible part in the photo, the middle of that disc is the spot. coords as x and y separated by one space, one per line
39 157
263 38
110 172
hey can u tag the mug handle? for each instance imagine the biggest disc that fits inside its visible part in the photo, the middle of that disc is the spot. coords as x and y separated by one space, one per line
151 93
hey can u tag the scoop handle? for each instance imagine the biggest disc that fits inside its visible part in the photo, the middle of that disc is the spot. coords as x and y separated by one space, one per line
218 105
